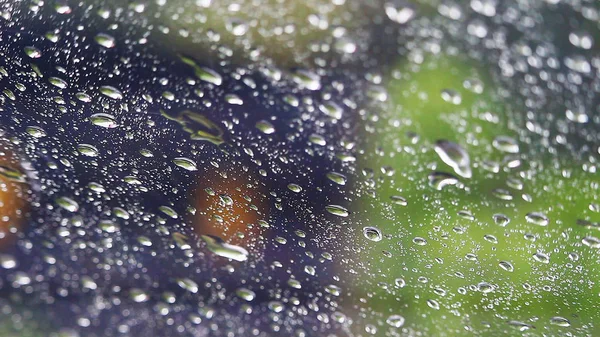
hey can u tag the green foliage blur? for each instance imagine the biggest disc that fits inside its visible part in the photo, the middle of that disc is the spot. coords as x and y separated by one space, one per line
464 246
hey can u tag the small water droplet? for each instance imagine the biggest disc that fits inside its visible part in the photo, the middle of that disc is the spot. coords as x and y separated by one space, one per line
105 40
373 234
337 210
396 321
185 163
103 120
506 144
111 92
454 156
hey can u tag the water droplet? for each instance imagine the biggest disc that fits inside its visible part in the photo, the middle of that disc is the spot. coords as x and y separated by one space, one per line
233 99
439 180
506 266
144 241
317 139
398 200
105 40
501 219
337 210
537 218
419 241
187 284
138 295
265 127
36 131
87 150
332 110
454 156
88 283
400 283
506 144
169 212
451 96
541 257
396 321
111 92
294 188
237 27
12 174
57 82
108 226
33 52
245 294
591 241
337 178
294 283
433 304
83 97
307 80
485 287
68 204
104 120
333 290
8 261
208 75
560 321
219 247
577 116
275 306
398 13
581 39
372 233
502 194
185 163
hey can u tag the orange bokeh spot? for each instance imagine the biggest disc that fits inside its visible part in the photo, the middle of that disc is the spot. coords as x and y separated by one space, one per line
12 197
229 207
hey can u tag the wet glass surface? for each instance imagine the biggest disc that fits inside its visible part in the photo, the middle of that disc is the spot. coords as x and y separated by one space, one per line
299 168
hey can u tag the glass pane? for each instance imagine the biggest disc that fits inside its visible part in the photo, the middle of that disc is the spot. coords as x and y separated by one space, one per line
299 168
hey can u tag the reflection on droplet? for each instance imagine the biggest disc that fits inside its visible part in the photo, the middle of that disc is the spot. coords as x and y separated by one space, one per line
185 163
332 110
33 52
541 257
398 13
395 320
560 321
58 82
36 131
506 266
337 210
451 96
87 150
307 79
454 156
111 92
372 233
219 247
105 40
537 218
265 127
439 180
187 284
337 178
591 241
138 295
506 144
68 204
103 120
501 219
294 188
245 294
